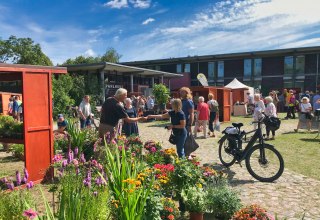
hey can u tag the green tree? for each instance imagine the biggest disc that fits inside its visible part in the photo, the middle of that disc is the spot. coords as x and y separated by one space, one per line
111 55
22 51
61 88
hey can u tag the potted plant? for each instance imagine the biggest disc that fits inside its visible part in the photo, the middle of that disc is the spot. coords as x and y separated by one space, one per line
194 198
161 94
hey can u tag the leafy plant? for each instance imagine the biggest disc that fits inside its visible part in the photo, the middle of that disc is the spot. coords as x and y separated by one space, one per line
169 209
222 201
161 94
129 184
194 199
12 204
17 151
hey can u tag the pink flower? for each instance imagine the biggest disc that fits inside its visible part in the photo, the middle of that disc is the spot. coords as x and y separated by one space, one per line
153 149
57 158
30 214
133 154
75 162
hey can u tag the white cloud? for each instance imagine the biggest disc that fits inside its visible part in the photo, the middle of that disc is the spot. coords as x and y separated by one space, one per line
116 39
117 4
89 53
140 3
125 4
149 20
231 26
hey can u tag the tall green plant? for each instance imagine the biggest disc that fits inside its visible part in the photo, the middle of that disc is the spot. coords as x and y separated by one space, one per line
161 93
76 135
129 191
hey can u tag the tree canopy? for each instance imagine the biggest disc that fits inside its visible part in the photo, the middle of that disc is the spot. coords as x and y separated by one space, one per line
110 55
22 51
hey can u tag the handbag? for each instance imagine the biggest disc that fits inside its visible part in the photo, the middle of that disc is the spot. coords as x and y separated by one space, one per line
190 145
172 138
217 125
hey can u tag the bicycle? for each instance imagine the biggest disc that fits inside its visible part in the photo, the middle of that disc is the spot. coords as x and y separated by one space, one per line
261 157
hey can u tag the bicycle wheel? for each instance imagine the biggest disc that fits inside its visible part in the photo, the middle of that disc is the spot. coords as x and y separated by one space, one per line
225 156
264 163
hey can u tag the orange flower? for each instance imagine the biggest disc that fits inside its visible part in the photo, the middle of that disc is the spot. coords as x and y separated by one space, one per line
170 217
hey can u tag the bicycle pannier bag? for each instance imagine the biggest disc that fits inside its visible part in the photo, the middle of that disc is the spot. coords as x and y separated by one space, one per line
273 123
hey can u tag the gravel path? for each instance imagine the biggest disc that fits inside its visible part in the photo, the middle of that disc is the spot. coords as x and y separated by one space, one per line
292 196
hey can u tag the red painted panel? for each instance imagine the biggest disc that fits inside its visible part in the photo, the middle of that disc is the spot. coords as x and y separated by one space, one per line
38 153
38 99
37 122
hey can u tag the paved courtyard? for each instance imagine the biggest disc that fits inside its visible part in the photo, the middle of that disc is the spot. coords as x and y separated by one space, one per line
292 196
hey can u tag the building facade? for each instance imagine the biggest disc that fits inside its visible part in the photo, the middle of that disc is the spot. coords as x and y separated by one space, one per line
296 68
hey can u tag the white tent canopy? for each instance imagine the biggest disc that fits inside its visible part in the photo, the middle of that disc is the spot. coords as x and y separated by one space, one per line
235 84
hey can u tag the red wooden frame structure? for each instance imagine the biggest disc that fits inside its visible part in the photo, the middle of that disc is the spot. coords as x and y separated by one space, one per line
37 111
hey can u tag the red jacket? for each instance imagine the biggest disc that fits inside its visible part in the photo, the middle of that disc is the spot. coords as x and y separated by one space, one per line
203 111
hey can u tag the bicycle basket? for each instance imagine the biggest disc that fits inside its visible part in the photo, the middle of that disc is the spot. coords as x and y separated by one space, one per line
272 122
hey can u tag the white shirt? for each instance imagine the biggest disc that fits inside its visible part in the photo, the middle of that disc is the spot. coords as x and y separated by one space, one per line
85 108
259 108
271 110
305 107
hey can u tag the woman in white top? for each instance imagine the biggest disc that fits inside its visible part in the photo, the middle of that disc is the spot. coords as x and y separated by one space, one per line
270 111
258 108
305 109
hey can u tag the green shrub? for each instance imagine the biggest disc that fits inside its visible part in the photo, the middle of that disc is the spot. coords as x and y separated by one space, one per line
222 201
17 151
13 204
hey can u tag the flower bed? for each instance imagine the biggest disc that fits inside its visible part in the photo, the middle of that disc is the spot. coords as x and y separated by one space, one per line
127 179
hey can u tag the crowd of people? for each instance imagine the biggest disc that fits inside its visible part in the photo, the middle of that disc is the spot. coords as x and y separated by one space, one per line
120 114
15 108
305 104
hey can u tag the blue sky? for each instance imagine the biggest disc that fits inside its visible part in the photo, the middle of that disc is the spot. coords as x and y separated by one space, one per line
150 29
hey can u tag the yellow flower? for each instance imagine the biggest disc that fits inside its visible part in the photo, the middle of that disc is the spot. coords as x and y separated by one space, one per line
199 185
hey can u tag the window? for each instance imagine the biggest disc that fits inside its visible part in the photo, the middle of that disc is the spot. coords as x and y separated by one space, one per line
288 84
211 70
187 68
157 67
179 68
247 68
300 64
220 69
257 67
288 65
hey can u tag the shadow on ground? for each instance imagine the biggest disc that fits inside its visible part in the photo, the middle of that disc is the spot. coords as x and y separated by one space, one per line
233 181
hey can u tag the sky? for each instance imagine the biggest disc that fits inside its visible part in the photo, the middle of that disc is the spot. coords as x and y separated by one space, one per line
156 29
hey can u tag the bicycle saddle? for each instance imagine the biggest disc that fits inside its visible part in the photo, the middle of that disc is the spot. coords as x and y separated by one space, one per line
237 125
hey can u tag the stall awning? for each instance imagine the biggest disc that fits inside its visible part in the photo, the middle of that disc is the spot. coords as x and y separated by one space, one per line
106 66
235 84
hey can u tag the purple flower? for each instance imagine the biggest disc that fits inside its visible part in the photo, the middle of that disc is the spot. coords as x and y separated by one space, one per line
64 163
70 156
30 214
3 180
26 174
82 159
95 193
18 178
30 185
99 181
76 151
10 186
77 170
24 180
87 182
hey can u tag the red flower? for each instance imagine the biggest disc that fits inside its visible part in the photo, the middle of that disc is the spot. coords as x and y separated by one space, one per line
30 214
170 217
